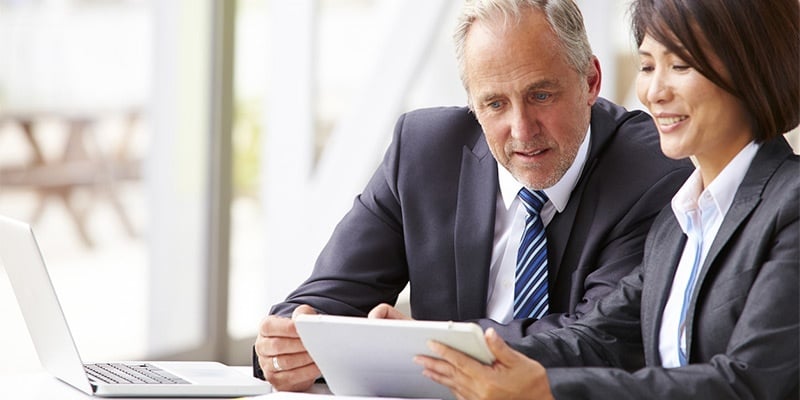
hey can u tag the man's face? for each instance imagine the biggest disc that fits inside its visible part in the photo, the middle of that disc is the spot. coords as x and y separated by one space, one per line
533 106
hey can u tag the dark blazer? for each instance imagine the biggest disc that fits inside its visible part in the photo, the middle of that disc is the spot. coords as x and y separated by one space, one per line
743 320
427 217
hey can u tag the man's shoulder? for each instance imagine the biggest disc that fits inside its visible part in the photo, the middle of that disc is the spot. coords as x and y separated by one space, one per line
439 126
440 115
616 129
625 145
609 118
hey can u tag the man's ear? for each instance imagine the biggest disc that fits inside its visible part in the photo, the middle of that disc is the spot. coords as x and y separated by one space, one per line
593 78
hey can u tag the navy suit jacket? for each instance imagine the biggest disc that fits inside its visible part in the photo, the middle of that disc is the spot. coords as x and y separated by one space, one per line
427 217
743 319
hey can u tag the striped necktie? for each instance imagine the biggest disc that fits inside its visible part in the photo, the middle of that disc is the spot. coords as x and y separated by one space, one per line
530 287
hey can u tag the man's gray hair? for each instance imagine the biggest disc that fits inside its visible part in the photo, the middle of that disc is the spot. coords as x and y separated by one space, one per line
564 18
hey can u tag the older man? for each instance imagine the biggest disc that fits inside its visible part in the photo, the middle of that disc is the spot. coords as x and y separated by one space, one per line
450 208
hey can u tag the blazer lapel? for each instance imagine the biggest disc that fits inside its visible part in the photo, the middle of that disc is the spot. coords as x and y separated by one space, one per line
745 201
661 263
474 228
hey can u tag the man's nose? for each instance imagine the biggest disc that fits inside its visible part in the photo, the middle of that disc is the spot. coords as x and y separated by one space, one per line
523 124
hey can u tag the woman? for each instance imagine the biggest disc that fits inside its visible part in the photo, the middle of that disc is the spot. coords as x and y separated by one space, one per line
714 306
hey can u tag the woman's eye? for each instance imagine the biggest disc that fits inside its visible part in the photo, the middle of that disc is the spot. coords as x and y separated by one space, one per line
679 67
645 68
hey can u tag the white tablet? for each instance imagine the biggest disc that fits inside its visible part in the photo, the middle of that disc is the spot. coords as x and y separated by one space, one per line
374 357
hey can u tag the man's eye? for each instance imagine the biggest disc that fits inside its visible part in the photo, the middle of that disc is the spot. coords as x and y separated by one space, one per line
495 105
541 96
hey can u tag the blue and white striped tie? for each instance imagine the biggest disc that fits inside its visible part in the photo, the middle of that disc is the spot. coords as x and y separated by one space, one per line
530 287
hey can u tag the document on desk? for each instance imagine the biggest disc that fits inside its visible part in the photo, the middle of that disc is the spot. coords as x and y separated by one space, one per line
311 396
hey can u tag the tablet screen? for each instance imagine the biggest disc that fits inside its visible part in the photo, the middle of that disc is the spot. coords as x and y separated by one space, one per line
374 357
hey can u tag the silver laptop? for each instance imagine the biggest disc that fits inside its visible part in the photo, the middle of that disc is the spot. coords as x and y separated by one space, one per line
36 296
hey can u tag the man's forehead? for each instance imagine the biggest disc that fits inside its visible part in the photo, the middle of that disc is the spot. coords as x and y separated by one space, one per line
493 87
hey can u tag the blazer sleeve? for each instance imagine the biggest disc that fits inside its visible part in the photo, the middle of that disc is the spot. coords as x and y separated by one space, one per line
608 336
760 360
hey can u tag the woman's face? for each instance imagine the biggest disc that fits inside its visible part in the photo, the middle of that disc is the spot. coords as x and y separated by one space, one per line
694 116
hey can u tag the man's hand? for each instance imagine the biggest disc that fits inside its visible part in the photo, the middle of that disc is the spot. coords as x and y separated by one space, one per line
385 311
282 356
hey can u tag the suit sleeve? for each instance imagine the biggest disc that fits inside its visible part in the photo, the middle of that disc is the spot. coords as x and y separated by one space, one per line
345 280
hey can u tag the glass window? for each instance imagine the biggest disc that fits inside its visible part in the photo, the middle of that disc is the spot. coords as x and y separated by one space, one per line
103 148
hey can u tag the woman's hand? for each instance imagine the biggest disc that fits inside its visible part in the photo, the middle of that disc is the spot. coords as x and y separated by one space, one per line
511 376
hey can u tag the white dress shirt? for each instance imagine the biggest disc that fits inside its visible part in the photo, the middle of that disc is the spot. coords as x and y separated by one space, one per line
508 226
699 213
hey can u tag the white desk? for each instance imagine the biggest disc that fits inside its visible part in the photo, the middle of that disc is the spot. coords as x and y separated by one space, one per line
43 386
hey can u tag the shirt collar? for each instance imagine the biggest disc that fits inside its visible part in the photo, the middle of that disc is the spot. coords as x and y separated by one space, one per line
558 193
719 194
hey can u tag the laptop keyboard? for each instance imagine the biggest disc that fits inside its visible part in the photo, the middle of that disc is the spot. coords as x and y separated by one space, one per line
130 373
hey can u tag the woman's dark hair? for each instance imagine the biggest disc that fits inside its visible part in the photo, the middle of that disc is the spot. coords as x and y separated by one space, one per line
756 41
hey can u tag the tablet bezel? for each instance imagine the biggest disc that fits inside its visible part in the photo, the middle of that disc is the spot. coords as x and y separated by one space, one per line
374 357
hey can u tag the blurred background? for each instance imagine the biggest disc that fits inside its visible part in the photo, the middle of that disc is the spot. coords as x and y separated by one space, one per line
163 150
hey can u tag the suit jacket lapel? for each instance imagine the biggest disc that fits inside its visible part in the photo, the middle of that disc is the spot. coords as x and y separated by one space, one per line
474 228
745 201
603 128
